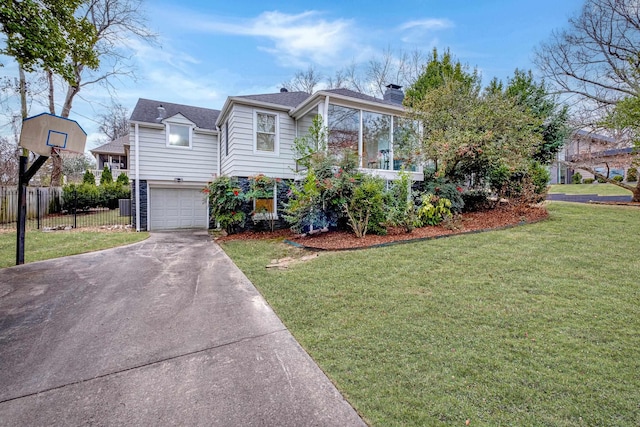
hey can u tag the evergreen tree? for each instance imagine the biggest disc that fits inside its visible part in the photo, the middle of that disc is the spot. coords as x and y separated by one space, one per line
106 177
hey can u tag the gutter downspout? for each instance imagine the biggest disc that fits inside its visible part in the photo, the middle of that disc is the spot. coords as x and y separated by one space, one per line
325 122
137 149
219 150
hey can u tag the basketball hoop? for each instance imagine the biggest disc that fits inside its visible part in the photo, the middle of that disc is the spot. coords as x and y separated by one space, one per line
45 133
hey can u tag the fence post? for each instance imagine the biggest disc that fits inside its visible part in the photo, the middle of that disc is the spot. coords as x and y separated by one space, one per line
38 207
75 208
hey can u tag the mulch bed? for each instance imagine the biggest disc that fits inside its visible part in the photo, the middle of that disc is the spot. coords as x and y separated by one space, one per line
468 222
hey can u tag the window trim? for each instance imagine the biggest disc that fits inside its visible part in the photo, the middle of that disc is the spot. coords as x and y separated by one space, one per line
168 135
276 142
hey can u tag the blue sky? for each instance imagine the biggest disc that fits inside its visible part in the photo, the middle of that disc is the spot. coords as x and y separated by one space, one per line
207 51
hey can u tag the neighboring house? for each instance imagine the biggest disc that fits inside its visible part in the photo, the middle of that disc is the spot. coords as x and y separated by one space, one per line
604 154
175 150
113 155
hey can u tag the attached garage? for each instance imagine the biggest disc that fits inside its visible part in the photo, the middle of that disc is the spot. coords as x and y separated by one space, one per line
172 208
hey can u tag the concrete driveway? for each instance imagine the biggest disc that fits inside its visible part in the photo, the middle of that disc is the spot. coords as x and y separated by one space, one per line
163 332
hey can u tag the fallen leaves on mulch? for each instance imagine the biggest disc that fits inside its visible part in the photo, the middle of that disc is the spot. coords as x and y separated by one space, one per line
341 240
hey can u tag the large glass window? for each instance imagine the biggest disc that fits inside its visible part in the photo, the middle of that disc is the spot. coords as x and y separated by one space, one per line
406 143
344 129
266 127
178 135
376 139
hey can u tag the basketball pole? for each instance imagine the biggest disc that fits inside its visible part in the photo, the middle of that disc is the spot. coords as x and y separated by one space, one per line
24 176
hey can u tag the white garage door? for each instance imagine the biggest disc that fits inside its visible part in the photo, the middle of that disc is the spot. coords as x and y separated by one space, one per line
171 208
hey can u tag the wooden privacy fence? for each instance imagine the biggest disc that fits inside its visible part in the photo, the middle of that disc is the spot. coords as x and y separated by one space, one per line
40 201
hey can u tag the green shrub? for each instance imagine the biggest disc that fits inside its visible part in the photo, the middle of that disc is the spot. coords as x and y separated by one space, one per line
111 193
618 178
576 178
540 177
632 175
89 177
318 201
80 197
588 181
225 201
601 180
451 191
106 177
434 209
123 179
365 208
401 206
523 186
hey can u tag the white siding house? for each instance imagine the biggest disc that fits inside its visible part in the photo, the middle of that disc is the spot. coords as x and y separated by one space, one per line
173 155
175 150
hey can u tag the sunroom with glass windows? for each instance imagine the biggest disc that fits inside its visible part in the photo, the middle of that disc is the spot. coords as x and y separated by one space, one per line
383 141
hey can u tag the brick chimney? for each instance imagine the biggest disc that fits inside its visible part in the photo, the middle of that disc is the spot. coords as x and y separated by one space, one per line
394 94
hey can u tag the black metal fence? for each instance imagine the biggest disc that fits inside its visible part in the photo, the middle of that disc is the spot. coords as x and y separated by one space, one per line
48 209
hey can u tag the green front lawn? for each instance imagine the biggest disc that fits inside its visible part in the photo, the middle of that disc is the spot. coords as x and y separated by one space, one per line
599 189
536 325
40 245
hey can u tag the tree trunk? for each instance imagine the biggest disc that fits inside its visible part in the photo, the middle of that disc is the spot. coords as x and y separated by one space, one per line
52 105
56 170
634 190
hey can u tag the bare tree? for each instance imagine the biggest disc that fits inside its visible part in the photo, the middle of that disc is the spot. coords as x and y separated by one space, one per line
371 78
595 57
304 81
9 154
115 122
595 62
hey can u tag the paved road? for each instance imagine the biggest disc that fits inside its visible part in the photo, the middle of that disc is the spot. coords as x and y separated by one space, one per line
164 332
587 198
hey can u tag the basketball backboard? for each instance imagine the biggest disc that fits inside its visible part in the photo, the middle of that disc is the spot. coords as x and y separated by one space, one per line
44 132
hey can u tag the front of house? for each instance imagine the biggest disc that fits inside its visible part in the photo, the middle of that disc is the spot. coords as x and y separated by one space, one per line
176 150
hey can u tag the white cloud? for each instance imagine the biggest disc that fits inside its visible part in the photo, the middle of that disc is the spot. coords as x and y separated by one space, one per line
296 39
422 31
430 24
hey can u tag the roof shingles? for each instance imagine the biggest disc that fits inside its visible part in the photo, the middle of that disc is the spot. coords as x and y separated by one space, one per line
146 110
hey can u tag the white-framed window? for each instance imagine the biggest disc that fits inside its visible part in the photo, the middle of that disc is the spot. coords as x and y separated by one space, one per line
265 132
179 135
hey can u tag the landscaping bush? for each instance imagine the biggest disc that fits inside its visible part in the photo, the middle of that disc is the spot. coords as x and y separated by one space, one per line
588 181
123 179
618 178
318 201
89 177
601 180
225 202
434 209
110 194
401 206
365 209
80 197
576 178
106 177
632 175
521 186
451 191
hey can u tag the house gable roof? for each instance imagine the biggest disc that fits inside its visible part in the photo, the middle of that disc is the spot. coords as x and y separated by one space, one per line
361 96
146 111
114 147
284 99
